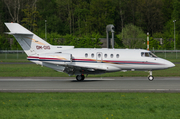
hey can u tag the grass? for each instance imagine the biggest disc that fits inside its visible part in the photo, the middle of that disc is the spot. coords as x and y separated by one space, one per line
28 70
33 70
14 60
90 105
14 56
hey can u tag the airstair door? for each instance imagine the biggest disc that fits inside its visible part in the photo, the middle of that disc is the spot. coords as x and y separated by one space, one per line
99 56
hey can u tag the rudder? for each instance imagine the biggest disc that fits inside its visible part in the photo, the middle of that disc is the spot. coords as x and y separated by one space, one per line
31 43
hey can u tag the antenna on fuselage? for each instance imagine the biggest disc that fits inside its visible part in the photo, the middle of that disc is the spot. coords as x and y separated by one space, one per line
111 28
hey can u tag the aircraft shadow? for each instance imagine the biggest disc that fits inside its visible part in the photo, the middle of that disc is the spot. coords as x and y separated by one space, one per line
87 81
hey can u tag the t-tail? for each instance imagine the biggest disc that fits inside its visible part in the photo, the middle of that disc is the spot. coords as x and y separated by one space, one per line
31 43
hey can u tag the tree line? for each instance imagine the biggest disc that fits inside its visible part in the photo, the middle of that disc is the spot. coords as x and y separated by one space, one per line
81 20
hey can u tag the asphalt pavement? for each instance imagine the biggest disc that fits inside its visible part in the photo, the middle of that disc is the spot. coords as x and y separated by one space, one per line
109 84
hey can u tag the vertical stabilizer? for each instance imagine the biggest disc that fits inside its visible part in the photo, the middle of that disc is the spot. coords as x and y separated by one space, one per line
31 43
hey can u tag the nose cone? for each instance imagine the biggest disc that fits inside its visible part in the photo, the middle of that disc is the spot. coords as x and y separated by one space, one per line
169 64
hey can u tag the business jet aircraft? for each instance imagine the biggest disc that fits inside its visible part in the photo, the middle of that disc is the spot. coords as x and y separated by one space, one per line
80 61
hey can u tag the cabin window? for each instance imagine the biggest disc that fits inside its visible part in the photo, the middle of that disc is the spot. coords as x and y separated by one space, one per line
111 55
148 54
86 55
117 55
105 55
152 55
99 55
92 55
145 54
142 54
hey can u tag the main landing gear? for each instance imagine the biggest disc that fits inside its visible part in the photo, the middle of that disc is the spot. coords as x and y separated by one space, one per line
150 77
80 77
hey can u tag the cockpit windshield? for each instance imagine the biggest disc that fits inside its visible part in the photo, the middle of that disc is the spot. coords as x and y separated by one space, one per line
148 54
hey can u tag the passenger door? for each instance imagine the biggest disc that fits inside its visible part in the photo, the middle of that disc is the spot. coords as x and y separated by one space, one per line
99 56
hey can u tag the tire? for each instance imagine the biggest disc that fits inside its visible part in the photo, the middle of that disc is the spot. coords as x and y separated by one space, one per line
151 78
80 77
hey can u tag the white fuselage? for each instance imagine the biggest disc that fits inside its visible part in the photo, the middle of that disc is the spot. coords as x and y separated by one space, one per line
103 60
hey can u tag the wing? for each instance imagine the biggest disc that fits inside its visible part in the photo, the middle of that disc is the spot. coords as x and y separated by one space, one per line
74 70
63 62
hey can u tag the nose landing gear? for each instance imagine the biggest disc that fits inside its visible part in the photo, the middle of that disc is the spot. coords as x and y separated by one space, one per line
150 77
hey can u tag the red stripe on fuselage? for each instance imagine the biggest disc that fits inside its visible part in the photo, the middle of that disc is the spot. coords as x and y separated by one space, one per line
119 62
131 62
33 57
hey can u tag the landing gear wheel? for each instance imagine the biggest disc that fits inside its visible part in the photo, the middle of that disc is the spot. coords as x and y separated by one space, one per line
80 77
151 78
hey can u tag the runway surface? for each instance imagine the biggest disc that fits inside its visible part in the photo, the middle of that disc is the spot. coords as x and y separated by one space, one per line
111 84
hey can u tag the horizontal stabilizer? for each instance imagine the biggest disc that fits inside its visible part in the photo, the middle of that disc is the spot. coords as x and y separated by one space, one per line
16 33
15 28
